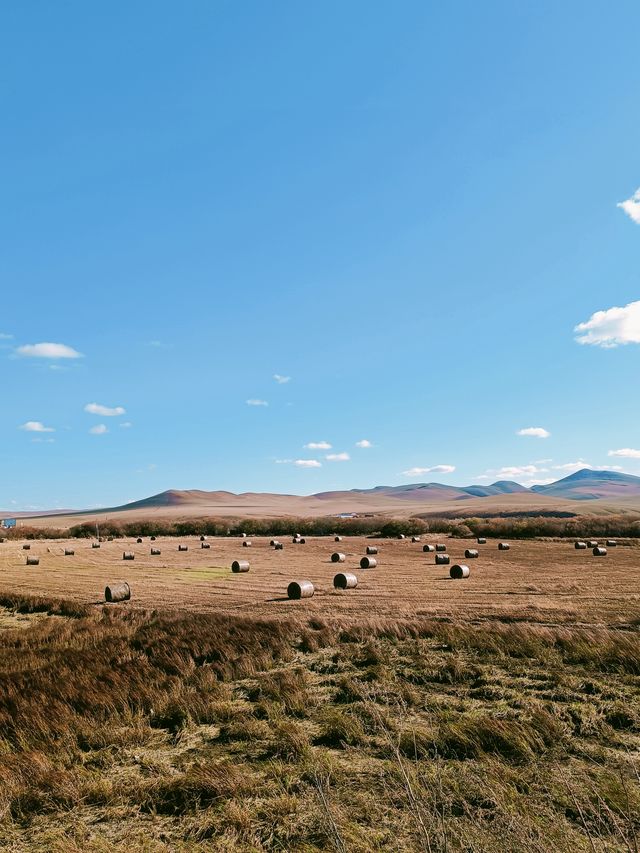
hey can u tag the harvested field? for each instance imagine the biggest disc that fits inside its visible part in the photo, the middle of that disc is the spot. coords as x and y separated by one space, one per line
539 581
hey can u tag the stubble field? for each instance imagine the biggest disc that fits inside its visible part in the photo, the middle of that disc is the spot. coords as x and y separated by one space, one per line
543 582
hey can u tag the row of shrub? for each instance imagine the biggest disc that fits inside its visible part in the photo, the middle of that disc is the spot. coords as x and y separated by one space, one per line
530 527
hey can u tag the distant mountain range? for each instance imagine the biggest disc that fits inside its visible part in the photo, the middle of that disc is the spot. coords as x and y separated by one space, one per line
586 491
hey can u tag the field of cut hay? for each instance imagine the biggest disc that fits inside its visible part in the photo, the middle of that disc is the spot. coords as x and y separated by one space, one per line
539 581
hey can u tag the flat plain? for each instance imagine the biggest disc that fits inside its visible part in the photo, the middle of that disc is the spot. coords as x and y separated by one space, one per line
535 581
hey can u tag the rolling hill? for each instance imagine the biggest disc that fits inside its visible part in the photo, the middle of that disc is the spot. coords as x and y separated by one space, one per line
585 492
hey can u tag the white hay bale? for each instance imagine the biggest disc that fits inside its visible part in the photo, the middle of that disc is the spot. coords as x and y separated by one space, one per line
428 549
459 571
183 547
300 589
128 555
240 566
368 563
155 552
599 552
471 554
345 580
117 592
442 559
503 546
372 549
338 558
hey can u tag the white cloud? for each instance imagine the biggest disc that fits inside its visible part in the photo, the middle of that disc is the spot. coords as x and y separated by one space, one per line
257 403
435 469
528 482
48 350
534 432
281 380
43 440
518 470
100 429
611 328
318 445
105 411
364 443
36 426
308 463
572 466
338 457
632 207
626 452
126 425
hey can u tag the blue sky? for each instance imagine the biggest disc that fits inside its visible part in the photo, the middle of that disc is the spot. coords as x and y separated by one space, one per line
405 209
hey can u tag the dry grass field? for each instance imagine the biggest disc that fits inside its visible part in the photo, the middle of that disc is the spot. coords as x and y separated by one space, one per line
414 713
542 582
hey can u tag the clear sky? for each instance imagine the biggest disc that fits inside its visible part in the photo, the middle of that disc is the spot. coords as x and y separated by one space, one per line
401 210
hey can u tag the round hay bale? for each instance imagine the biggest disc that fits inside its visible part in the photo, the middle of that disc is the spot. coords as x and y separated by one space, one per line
95 544
401 536
345 580
243 535
442 559
246 543
183 547
338 558
481 540
368 563
459 571
26 547
155 552
592 543
33 561
503 546
205 545
611 543
415 538
428 549
372 549
580 546
117 592
337 538
599 552
203 538
440 548
153 538
273 542
240 566
128 555
300 589
295 540
69 552
471 554
138 541
278 546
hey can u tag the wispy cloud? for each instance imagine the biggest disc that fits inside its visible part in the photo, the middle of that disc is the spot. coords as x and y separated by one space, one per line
5 337
611 328
126 425
572 466
43 440
534 432
254 402
104 411
99 429
434 469
318 445
518 470
36 426
48 350
364 443
632 207
625 452
308 463
338 457
281 380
